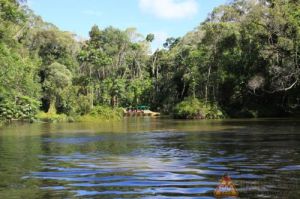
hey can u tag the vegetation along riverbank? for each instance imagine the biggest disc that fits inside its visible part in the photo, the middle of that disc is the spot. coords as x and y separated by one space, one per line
242 61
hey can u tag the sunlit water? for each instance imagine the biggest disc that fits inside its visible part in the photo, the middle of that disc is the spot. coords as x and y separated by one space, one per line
150 158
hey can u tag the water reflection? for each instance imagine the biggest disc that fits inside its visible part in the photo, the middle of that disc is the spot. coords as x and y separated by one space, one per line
150 158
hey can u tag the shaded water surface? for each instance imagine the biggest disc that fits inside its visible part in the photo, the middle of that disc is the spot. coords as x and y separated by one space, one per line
150 158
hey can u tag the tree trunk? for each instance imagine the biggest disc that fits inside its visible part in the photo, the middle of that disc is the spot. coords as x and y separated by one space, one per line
207 84
91 89
92 97
52 108
113 101
153 64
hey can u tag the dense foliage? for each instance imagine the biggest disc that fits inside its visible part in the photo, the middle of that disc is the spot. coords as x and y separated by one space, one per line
244 58
103 113
192 108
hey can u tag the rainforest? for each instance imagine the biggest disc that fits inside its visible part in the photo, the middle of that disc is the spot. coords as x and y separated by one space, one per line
241 62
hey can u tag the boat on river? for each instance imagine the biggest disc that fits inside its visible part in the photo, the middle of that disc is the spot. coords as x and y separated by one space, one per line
140 111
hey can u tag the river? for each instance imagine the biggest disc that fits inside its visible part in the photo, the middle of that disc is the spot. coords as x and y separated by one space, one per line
150 158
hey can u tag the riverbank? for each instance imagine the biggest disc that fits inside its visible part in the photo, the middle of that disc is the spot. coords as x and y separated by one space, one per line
189 109
98 113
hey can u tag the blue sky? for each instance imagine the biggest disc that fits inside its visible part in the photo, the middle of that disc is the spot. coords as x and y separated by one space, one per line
164 18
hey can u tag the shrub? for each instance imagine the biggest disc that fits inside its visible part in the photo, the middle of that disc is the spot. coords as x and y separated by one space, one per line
51 117
103 113
192 108
72 103
23 108
84 105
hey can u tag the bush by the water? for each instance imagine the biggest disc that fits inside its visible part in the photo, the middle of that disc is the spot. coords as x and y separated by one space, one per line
103 113
98 113
22 108
52 117
193 108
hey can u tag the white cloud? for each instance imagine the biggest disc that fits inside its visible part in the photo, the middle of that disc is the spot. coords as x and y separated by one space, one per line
170 9
92 13
159 40
30 3
160 37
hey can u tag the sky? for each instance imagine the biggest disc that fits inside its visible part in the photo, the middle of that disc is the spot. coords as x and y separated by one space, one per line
164 18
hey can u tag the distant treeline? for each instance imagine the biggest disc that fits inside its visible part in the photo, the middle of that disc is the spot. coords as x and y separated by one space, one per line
243 60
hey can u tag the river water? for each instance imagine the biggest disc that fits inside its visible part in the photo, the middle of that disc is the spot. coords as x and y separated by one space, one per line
150 158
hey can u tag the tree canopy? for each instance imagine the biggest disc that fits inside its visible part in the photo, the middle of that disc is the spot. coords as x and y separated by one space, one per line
243 59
